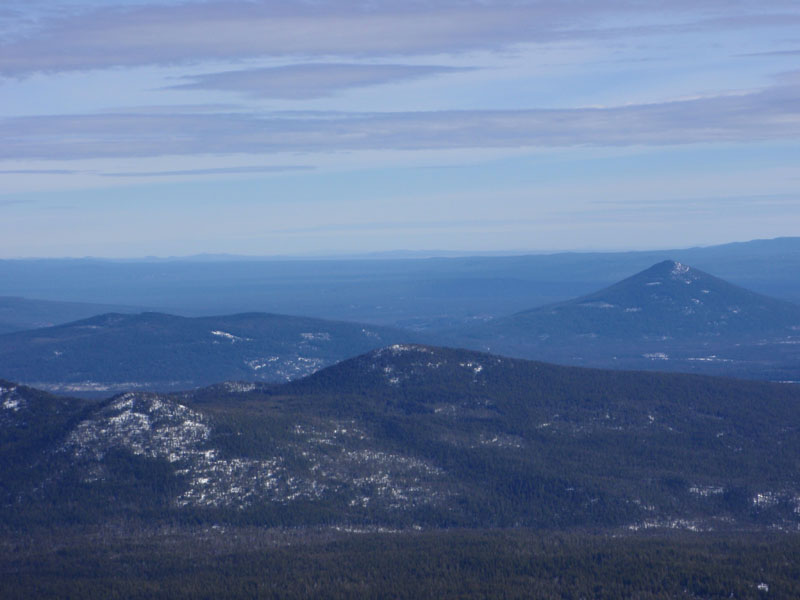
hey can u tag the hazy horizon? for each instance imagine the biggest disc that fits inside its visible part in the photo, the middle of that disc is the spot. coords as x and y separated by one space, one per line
400 254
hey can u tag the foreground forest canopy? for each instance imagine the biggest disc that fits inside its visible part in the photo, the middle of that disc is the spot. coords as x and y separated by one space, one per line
115 562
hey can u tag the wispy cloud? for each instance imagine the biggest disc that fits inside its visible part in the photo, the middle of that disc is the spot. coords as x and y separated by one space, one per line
771 114
12 202
212 171
150 35
144 35
794 52
305 81
38 172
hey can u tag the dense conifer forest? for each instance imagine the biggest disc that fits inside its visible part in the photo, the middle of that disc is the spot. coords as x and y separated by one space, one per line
116 562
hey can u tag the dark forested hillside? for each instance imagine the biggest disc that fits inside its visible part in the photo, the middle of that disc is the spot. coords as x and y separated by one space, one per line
416 435
407 472
116 352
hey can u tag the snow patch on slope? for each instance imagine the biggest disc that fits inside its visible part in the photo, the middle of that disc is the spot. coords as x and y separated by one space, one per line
228 336
11 399
683 273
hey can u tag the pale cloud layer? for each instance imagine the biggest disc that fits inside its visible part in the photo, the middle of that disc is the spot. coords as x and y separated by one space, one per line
770 114
323 118
188 32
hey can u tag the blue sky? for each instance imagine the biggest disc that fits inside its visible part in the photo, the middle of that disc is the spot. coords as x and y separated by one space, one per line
158 127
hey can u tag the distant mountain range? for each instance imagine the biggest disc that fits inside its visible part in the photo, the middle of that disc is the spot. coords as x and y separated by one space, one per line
413 436
668 317
115 352
420 293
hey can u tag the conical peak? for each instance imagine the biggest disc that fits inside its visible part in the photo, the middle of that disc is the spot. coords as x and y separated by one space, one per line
672 267
679 268
671 270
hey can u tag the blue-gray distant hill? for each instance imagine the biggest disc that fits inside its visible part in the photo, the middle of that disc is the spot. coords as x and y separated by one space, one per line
422 293
668 317
19 314
156 351
669 300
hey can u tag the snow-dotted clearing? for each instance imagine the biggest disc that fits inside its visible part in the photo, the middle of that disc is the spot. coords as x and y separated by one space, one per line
228 336
11 399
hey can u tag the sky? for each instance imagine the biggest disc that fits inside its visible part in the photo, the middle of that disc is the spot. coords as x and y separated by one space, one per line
169 128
